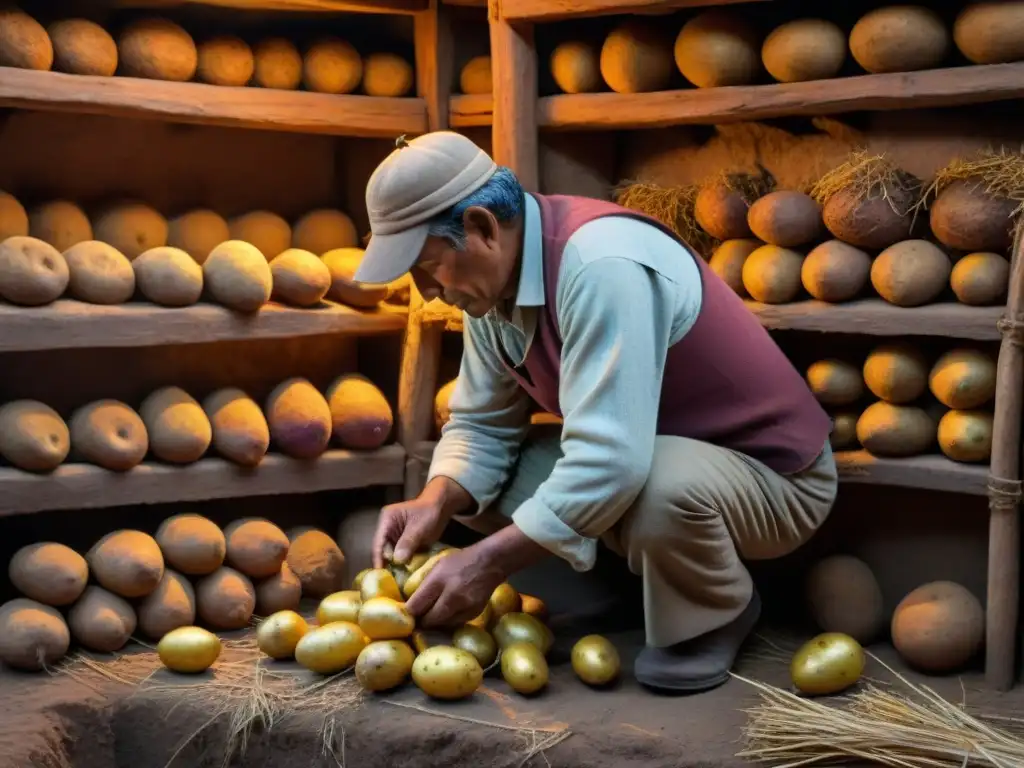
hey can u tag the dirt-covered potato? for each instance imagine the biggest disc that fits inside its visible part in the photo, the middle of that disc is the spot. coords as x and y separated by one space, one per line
83 47
361 416
718 48
101 621
109 434
266 231
575 67
256 547
179 431
637 57
169 277
24 42
910 273
132 228
13 217
990 32
966 217
99 273
240 430
721 211
891 430
871 222
32 272
171 605
318 563
33 436
323 230
280 592
48 572
278 64
804 49
785 218
332 66
225 60
475 77
32 635
387 75
225 599
300 278
197 233
772 274
835 271
299 419
237 276
835 382
127 563
59 223
343 263
191 544
157 49
980 279
899 38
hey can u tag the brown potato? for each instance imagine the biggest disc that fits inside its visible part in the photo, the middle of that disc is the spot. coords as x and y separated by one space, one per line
728 259
342 263
324 230
899 38
804 49
225 60
300 278
99 273
476 77
265 231
82 47
332 66
101 621
197 233
23 41
963 379
179 431
192 544
938 627
237 276
225 599
722 212
575 67
60 223
109 434
318 563
718 48
131 228
989 33
157 49
240 430
33 436
844 596
32 272
966 435
361 416
32 635
910 273
127 563
772 274
278 64
256 547
980 279
835 382
967 218
637 57
13 217
896 372
169 277
387 75
891 430
280 592
171 605
299 419
48 572
785 218
872 222
835 271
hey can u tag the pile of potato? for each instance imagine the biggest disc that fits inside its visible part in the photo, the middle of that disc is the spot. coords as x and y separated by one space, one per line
369 629
171 426
721 47
159 49
916 402
129 249
160 585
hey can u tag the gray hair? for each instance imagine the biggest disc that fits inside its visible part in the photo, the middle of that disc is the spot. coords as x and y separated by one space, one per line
502 195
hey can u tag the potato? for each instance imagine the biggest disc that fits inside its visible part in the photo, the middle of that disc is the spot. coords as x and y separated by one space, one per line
899 38
721 211
963 379
416 577
534 606
340 606
772 275
522 628
169 277
637 57
60 223
804 49
938 627
280 592
278 64
475 77
504 599
980 279
278 634
127 563
33 436
299 278
331 648
896 372
595 660
524 668
32 635
324 230
384 664
131 228
378 582
718 48
357 582
32 272
191 544
989 33
342 263
299 419
23 41
197 233
891 430
871 222
256 547
477 641
442 407
109 434
171 605
157 49
835 382
13 217
237 275
318 563
225 60
835 271
332 66
101 621
48 572
966 217
844 596
383 618
966 435
240 430
728 259
265 231
82 47
361 417
188 650
785 218
179 431
827 664
387 75
443 672
575 66
910 273
225 599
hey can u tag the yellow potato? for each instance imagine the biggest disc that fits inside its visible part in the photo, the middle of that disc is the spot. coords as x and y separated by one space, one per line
449 673
331 648
378 582
225 60
595 660
340 606
827 664
504 600
575 67
963 378
478 642
357 582
484 620
980 279
188 649
637 57
387 75
728 259
524 668
896 372
772 274
966 435
332 66
885 429
520 627
835 382
534 606
416 579
384 664
476 76
278 634
383 618
278 64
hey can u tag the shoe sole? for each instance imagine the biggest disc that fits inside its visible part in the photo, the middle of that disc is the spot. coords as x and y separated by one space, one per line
694 687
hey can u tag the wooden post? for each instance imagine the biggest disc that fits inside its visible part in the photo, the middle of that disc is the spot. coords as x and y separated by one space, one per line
514 73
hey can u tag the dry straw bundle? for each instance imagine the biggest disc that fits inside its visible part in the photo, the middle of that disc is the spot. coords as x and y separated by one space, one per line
999 173
672 206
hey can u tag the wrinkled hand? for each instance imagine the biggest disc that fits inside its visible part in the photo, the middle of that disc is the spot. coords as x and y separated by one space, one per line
408 526
456 589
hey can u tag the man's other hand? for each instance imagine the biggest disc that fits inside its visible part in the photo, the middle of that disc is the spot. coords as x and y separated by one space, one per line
456 589
408 526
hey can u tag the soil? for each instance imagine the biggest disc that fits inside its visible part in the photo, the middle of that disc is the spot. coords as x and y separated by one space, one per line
58 721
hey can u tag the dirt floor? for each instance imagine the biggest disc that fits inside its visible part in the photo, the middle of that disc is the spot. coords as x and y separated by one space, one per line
125 713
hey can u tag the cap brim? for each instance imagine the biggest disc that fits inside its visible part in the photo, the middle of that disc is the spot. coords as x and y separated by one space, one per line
388 257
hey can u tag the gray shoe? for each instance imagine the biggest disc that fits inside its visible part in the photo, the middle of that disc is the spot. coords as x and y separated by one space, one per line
701 663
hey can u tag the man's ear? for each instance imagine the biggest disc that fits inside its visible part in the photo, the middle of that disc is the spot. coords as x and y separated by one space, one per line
481 222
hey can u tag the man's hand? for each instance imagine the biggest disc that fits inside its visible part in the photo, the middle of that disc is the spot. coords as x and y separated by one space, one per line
456 589
408 526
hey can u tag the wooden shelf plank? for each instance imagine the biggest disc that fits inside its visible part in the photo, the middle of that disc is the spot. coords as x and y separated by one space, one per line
954 86
470 110
257 108
67 324
931 472
83 486
554 10
329 6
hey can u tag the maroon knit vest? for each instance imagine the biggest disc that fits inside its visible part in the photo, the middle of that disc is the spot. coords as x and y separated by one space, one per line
726 381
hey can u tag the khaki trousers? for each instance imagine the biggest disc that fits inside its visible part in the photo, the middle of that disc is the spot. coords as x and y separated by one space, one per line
703 511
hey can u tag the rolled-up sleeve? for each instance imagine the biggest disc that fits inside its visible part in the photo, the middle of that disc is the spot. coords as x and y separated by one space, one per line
490 414
616 319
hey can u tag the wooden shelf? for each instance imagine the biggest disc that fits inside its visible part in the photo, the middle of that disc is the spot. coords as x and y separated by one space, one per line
932 472
875 317
554 10
470 111
904 90
83 486
258 108
68 324
329 6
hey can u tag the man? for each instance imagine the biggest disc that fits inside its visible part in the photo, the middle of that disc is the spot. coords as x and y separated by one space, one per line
689 442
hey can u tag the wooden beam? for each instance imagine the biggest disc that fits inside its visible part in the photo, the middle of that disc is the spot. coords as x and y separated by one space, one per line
931 472
553 10
514 71
471 110
260 108
954 86
323 6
